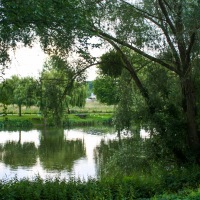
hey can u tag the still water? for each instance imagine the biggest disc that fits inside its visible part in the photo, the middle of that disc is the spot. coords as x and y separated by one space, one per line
51 153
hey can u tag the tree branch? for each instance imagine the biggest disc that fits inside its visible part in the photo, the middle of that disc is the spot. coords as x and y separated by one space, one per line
161 26
175 53
164 10
192 41
191 44
130 68
142 53
144 13
168 5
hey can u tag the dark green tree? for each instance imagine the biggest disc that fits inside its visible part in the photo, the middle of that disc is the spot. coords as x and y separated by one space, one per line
106 85
111 64
151 28
106 90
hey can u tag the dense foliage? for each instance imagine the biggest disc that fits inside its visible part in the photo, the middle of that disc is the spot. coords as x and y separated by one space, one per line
105 88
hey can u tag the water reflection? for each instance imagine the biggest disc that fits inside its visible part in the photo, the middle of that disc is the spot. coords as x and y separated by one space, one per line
103 153
57 153
16 154
50 153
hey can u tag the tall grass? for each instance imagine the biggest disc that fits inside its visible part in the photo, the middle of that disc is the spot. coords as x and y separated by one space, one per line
107 189
14 110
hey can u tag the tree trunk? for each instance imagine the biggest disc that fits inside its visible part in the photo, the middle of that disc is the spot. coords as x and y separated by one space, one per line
189 107
20 109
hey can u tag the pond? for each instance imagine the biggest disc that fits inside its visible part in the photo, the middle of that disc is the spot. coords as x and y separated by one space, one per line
51 153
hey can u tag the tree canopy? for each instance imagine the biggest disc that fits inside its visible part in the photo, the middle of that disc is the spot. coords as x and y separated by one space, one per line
19 91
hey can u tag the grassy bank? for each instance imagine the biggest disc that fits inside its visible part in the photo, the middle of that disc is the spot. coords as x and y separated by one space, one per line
25 121
70 120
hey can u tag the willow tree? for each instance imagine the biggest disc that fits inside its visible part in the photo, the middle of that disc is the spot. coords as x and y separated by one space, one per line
59 89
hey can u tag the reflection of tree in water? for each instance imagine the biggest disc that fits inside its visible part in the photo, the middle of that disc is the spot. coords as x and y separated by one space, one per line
1 152
16 154
57 153
122 157
103 153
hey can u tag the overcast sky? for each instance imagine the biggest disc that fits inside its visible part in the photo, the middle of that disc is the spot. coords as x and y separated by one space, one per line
26 61
29 62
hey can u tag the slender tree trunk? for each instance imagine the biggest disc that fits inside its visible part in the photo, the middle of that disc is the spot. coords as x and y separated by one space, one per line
20 109
189 107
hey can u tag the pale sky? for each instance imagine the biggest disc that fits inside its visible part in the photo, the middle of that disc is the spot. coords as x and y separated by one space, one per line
28 61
